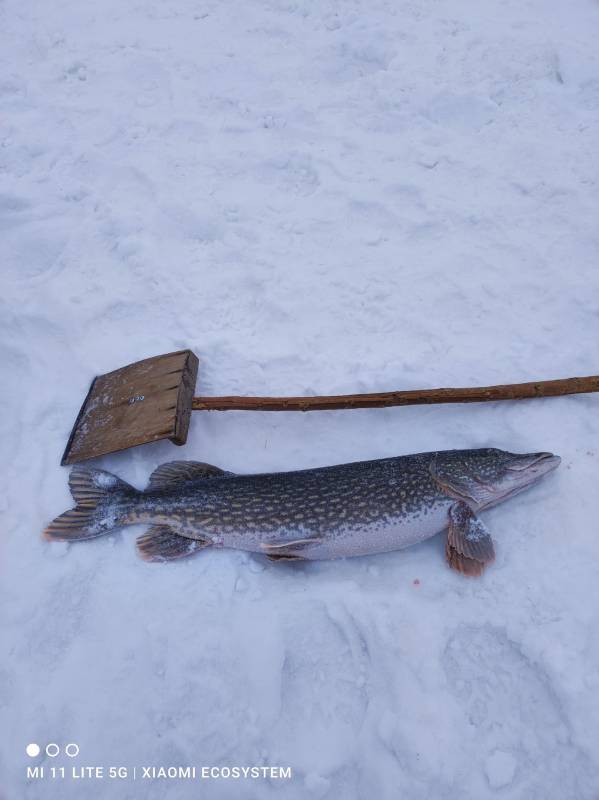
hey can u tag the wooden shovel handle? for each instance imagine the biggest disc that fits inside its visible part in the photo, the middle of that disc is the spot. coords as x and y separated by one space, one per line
479 394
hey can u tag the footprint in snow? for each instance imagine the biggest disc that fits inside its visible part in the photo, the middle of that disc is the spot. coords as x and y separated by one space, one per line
323 695
521 734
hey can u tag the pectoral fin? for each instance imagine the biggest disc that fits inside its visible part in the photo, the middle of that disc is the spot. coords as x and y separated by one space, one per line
469 545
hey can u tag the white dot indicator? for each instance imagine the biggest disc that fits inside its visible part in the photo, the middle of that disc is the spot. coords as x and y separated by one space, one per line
32 750
72 750
52 750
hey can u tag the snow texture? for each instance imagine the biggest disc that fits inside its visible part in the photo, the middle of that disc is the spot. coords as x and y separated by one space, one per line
316 197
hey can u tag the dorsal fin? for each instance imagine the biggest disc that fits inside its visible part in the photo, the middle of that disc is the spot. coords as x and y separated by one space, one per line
182 471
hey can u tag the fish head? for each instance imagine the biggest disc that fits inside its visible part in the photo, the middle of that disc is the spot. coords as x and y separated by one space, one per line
488 476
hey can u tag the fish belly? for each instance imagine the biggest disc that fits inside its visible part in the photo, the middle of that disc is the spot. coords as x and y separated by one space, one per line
381 537
343 541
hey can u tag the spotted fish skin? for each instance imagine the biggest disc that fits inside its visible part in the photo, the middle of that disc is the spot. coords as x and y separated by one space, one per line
328 512
350 509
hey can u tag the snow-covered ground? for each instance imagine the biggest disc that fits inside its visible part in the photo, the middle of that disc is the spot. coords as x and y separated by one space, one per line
315 197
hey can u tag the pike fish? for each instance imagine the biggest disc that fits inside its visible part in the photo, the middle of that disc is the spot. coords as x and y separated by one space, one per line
329 512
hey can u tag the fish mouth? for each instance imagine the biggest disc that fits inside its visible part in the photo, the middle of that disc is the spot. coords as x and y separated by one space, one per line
549 461
523 473
535 464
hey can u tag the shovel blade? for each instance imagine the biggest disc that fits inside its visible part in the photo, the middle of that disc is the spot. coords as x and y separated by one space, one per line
137 404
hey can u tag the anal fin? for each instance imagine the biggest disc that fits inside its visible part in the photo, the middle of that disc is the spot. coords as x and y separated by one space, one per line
469 545
162 543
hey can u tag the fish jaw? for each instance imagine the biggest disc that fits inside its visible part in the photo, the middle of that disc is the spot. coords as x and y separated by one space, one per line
535 464
482 478
523 472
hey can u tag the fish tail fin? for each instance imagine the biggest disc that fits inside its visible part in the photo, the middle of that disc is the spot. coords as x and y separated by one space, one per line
101 506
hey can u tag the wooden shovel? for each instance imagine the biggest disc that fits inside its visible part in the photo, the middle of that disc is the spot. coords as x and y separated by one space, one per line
153 399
